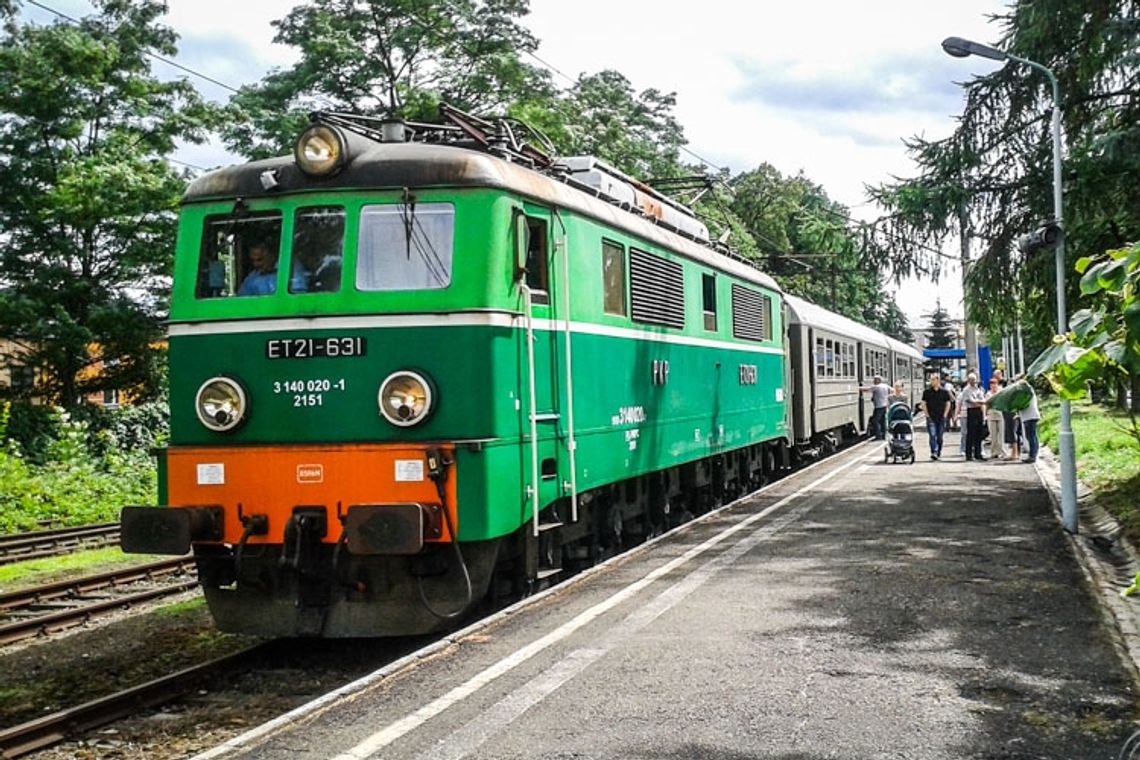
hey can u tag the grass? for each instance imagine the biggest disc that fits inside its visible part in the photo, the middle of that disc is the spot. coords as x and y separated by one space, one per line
1108 457
181 608
49 569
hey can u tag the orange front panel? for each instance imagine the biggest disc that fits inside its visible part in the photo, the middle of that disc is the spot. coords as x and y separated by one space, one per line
273 480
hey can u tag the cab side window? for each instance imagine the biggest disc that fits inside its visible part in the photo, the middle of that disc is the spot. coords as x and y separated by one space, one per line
239 255
613 279
537 261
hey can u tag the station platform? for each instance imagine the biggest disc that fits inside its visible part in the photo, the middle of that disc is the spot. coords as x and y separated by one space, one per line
855 609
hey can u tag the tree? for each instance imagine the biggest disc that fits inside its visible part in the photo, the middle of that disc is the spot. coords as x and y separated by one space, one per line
86 200
809 243
389 57
942 334
993 177
603 116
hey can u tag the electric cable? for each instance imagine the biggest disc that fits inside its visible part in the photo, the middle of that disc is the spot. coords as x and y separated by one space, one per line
438 476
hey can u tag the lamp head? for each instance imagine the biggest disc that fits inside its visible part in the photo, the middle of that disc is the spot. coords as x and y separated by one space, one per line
963 48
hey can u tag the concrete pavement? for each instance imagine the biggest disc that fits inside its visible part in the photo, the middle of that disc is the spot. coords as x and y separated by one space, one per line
855 610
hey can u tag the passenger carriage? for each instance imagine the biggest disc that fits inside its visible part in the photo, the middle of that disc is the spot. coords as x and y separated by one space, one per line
831 358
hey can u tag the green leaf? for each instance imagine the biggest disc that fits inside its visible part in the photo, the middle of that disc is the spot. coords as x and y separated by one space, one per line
1083 264
1116 350
1048 359
1071 376
1084 322
1090 282
1098 340
1112 276
1132 320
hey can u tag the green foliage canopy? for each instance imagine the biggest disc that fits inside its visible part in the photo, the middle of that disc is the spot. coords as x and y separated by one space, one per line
388 57
86 199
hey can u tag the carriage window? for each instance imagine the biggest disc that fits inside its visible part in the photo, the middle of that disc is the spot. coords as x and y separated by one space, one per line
405 246
318 240
613 278
708 300
830 358
820 358
239 255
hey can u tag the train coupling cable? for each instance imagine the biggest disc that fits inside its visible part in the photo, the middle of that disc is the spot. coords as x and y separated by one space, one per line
438 466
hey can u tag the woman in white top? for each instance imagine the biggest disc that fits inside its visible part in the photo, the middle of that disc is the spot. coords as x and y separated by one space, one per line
995 422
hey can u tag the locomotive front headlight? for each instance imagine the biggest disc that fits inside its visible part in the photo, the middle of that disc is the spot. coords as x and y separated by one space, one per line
320 151
405 398
221 404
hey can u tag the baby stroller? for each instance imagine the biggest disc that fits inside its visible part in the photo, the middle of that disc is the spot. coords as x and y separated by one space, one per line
900 434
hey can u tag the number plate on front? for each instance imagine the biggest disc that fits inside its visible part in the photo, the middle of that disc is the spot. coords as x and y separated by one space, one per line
314 348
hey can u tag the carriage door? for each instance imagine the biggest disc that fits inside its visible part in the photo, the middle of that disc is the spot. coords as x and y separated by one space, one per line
548 410
864 370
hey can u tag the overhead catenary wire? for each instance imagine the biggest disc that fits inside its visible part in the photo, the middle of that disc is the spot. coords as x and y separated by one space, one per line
163 59
149 53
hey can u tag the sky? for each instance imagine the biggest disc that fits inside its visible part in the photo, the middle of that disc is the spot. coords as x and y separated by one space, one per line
827 87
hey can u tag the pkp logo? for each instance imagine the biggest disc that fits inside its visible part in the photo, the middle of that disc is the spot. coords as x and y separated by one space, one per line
310 473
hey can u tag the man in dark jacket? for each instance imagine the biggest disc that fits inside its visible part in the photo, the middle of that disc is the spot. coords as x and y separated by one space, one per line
936 402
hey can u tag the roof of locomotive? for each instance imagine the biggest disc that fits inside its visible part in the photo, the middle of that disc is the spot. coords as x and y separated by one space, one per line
420 165
807 313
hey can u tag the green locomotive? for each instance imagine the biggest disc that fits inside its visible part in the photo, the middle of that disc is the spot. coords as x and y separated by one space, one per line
407 375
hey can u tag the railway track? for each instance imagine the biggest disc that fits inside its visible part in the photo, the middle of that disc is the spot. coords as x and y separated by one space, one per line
18 547
53 607
73 722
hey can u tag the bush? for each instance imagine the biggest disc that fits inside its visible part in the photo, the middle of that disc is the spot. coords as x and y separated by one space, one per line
131 428
80 468
31 429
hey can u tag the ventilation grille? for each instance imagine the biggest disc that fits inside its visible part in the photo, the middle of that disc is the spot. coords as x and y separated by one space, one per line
751 314
656 289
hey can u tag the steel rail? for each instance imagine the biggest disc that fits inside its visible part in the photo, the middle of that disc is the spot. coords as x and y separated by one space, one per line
69 618
67 724
15 600
18 547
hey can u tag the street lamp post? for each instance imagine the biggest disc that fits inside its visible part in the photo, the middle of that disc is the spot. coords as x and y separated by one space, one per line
960 48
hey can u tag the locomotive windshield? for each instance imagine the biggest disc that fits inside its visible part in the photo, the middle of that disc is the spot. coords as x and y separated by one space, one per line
241 252
405 246
318 239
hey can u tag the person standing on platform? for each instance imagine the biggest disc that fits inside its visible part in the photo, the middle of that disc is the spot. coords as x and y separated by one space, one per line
937 405
1030 415
1009 425
960 418
995 420
973 400
880 391
951 421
